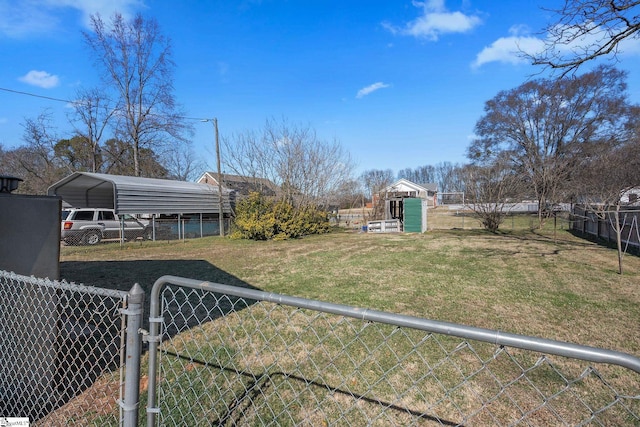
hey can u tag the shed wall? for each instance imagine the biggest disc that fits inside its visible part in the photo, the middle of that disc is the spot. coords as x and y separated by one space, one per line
413 215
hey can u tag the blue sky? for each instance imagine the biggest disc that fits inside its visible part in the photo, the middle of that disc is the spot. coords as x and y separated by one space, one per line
400 84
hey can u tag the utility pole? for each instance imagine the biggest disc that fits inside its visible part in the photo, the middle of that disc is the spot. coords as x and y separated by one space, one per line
219 178
221 215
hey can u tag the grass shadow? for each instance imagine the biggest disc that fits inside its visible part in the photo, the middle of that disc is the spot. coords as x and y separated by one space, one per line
122 275
255 385
604 242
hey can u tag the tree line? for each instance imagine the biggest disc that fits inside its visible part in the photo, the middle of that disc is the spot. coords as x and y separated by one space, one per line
555 140
129 124
566 138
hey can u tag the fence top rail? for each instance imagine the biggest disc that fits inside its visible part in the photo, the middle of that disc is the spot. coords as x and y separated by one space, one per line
63 285
542 345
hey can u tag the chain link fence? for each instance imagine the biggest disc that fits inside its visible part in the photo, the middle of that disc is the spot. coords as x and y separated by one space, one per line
185 227
61 351
461 217
222 355
94 236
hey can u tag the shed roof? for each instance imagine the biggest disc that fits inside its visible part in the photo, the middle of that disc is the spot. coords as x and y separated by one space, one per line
135 195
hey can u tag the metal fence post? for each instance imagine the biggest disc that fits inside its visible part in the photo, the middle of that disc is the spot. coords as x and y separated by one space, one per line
131 399
154 339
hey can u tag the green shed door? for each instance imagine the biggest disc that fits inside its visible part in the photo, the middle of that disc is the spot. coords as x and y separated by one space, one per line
413 215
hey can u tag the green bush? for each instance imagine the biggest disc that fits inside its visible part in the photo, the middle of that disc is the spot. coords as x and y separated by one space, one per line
259 218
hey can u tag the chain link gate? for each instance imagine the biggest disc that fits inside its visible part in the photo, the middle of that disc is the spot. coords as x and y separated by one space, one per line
227 355
223 355
61 352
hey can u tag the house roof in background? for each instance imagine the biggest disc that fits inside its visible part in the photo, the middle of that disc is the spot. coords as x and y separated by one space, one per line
243 185
405 184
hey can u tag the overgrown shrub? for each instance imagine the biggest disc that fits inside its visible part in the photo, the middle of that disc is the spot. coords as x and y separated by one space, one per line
260 218
491 220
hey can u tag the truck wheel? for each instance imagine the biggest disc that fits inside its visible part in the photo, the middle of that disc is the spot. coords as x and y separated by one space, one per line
91 238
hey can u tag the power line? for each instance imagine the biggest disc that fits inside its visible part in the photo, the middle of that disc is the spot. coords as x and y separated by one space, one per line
75 102
35 96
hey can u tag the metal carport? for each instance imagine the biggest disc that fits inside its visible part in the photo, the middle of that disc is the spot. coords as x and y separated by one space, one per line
138 196
135 195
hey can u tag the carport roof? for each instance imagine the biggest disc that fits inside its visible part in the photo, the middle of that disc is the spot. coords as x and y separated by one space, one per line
135 195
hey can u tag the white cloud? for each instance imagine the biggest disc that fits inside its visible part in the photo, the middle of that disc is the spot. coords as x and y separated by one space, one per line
514 48
510 49
592 40
106 8
435 21
19 19
41 79
629 46
371 88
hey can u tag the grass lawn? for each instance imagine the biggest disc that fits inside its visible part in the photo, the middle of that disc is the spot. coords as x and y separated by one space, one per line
518 281
546 284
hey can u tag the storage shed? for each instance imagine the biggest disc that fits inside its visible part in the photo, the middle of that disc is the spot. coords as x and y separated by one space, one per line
405 207
135 195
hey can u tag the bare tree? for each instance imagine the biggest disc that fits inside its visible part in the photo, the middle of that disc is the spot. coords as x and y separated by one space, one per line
246 155
136 60
182 163
92 114
420 175
488 189
586 30
604 179
350 195
546 126
36 162
307 169
446 175
449 177
375 181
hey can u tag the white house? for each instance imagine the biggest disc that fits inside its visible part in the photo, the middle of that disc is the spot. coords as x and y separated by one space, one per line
404 188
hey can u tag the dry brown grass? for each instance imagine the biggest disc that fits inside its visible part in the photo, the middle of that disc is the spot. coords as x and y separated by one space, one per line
95 405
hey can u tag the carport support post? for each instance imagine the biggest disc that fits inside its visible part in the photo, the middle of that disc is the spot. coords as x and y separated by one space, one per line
131 399
121 230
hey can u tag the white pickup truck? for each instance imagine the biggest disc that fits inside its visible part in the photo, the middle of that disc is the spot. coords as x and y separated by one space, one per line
88 226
